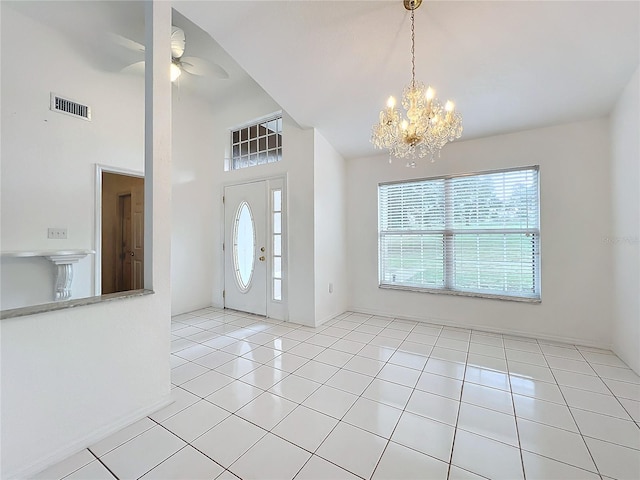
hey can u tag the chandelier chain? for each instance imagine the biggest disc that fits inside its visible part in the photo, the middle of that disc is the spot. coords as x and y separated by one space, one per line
413 48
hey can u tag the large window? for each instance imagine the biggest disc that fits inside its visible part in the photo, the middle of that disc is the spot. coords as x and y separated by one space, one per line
473 234
257 144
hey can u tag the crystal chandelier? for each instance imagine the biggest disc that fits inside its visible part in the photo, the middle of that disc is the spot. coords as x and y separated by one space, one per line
428 126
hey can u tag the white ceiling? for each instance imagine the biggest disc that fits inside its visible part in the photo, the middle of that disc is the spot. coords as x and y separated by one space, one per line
109 35
508 65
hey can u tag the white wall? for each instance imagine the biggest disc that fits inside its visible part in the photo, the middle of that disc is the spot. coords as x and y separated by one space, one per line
575 220
48 158
201 138
200 177
297 166
72 376
298 153
315 196
193 203
31 280
330 227
625 230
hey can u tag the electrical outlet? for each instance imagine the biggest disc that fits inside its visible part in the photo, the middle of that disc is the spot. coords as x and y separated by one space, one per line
57 233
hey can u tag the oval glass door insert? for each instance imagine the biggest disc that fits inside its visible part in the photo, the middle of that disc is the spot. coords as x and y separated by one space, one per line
244 246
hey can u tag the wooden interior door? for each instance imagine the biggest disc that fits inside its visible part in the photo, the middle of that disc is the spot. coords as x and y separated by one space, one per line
123 269
122 252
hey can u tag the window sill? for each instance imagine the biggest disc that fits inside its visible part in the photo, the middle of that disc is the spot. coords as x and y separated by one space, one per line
55 306
461 293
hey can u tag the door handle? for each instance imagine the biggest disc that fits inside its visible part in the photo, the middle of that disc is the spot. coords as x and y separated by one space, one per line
262 258
131 253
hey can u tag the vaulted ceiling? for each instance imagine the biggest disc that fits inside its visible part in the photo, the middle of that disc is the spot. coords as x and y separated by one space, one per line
508 65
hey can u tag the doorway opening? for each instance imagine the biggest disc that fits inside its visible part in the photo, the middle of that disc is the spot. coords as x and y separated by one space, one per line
121 233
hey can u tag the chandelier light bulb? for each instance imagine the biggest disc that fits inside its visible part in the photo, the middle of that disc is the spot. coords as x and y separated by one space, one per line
430 93
425 127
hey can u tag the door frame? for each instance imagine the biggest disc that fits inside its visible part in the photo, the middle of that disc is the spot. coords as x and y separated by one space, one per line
97 240
276 309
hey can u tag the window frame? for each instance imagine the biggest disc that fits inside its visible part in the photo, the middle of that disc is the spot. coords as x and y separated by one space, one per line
448 234
252 145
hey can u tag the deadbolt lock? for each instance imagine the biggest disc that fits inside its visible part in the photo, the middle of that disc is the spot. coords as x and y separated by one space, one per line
262 249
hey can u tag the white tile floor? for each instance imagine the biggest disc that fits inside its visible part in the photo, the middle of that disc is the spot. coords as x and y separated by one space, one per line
372 397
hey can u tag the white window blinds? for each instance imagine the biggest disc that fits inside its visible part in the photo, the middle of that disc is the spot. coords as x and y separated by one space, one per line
477 234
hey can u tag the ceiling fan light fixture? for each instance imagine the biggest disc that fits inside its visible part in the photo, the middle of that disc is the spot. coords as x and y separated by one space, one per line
428 126
175 71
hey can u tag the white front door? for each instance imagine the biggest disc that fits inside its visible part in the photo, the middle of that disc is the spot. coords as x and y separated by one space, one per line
245 266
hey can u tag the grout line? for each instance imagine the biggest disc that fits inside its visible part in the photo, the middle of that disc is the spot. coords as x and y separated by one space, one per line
190 444
609 389
515 418
388 440
455 428
323 413
385 363
593 460
104 465
404 409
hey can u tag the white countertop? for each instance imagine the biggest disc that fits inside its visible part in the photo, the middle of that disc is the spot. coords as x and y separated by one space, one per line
46 253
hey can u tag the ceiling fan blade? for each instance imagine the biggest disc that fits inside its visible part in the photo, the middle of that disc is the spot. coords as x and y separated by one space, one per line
134 69
200 66
178 42
126 42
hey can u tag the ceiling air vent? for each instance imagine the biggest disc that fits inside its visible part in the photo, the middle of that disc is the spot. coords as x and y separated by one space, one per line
70 107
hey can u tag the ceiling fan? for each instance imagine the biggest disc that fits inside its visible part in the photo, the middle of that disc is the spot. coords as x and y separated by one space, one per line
179 63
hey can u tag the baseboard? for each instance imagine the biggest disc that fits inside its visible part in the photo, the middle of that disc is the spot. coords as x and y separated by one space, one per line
484 328
327 318
85 442
192 308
